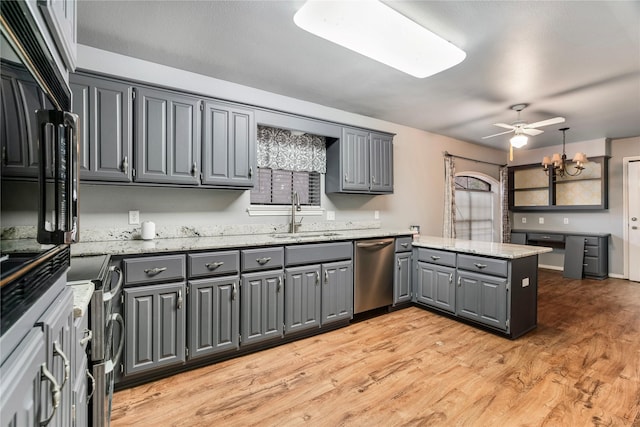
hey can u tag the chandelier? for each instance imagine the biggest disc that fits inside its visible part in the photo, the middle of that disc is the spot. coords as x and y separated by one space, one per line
558 163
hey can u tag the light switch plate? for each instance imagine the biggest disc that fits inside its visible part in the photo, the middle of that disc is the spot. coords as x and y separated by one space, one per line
524 220
376 214
566 221
525 282
331 215
541 220
134 217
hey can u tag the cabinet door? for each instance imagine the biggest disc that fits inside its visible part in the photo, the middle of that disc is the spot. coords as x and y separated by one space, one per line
155 327
402 278
228 146
435 286
262 306
337 291
80 409
482 298
61 20
302 298
354 148
214 316
381 161
167 129
21 383
105 111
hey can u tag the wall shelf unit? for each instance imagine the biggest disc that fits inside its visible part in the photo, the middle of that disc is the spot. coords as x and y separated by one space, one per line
530 189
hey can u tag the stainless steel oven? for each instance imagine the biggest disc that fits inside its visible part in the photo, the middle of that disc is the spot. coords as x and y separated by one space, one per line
104 354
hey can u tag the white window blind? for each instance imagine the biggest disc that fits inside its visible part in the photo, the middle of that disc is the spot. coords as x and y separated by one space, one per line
474 209
275 187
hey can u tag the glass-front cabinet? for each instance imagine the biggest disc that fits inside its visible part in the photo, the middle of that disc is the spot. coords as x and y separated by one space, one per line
532 189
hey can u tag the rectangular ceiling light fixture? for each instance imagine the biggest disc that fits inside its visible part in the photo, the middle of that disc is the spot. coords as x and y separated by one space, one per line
373 29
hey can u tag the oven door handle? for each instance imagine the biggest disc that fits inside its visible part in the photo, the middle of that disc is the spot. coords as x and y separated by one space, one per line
113 292
111 364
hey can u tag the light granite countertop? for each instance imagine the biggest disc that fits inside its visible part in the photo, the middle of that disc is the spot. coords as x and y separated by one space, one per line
130 247
492 249
82 292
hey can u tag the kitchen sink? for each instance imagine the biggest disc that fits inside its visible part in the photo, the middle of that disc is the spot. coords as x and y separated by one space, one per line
295 235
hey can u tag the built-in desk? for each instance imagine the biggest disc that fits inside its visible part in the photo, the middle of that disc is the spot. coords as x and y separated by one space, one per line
585 254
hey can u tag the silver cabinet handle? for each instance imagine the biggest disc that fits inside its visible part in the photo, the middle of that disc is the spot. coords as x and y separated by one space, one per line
214 265
373 179
279 283
450 278
399 265
5 160
234 291
346 177
632 218
317 278
54 389
480 266
435 257
125 165
263 261
93 385
179 302
250 171
57 351
88 335
194 169
155 270
404 245
459 281
326 276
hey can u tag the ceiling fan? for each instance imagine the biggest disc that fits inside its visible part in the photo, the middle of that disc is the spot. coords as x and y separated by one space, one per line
521 129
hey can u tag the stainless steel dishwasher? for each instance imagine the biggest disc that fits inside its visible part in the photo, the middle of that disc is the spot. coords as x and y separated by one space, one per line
374 274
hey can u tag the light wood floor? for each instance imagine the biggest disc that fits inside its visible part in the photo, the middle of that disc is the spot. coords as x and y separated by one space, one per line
580 367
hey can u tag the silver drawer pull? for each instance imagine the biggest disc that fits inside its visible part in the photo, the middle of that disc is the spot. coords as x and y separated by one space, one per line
234 292
214 265
435 257
155 270
404 245
480 266
584 265
263 261
57 351
179 302
450 278
54 390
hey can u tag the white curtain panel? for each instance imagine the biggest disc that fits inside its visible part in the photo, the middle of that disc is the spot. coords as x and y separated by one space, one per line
504 205
279 149
449 228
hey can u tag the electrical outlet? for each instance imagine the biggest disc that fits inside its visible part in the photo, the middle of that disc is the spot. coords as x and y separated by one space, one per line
566 221
541 220
376 214
134 217
331 215
525 282
524 220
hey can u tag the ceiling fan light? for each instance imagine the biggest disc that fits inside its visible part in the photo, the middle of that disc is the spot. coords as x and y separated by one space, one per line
375 30
519 140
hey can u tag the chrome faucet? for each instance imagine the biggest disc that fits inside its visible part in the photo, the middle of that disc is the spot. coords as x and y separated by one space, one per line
295 206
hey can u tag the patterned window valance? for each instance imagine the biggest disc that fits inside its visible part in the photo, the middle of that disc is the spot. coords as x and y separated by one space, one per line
279 149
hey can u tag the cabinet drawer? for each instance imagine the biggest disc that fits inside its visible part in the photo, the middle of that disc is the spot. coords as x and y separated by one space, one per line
403 243
435 256
590 265
213 263
494 267
591 251
154 269
592 241
318 253
262 259
545 237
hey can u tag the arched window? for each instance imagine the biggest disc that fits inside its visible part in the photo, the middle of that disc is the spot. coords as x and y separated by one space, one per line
477 210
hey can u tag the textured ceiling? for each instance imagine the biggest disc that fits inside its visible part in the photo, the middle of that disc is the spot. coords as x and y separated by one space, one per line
576 59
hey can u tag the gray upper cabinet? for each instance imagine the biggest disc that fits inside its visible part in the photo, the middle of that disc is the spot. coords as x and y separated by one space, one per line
167 131
155 327
228 146
262 306
105 109
360 162
61 20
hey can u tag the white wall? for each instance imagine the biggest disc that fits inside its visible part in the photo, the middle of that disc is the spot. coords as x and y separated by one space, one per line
418 164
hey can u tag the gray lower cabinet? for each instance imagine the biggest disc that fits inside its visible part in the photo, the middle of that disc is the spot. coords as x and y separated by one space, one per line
482 298
167 131
228 146
302 298
337 291
105 109
262 306
402 278
213 315
434 286
155 326
22 383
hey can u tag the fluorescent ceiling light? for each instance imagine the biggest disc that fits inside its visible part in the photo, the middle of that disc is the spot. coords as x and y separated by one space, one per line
375 30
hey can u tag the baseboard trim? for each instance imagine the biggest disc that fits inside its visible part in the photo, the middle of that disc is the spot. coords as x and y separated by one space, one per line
550 267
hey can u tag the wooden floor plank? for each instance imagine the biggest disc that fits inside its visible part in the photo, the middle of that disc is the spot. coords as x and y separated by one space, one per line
580 367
